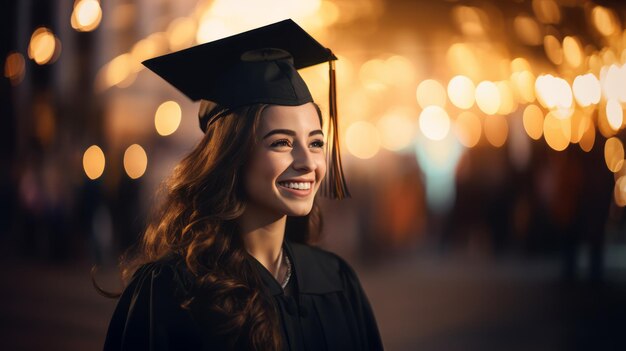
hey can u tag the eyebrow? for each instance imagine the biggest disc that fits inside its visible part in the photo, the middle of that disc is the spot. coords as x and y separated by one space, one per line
290 132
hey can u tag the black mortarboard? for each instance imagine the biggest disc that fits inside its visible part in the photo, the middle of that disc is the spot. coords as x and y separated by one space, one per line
257 66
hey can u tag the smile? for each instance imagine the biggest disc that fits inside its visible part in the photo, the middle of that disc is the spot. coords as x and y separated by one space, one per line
296 188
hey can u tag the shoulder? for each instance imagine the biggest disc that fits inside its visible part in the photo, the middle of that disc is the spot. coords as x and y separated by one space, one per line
320 270
168 274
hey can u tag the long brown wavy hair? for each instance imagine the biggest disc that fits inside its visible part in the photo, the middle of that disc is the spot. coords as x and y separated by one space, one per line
197 223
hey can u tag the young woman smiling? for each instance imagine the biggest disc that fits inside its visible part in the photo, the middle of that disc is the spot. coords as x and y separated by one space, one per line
225 263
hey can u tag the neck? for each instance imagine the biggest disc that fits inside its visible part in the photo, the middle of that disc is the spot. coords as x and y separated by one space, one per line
263 235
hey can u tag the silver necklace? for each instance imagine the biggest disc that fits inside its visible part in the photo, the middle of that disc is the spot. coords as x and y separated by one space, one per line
288 275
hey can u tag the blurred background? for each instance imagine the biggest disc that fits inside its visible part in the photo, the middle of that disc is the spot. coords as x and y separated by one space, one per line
482 142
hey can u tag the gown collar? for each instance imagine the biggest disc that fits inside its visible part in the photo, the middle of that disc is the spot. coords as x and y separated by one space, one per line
314 274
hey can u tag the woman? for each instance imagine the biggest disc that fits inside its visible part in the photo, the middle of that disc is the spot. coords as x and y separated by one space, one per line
225 264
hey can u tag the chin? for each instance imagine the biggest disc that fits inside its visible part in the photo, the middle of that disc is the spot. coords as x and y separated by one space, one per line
298 211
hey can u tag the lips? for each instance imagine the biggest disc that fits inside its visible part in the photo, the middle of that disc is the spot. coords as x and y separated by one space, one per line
296 187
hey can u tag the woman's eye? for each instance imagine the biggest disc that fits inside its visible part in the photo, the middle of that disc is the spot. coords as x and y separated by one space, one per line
318 144
281 143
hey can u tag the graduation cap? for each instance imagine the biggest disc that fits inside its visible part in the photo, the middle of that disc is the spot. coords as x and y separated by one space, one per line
257 66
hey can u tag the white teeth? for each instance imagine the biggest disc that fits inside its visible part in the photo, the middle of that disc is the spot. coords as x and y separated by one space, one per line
293 185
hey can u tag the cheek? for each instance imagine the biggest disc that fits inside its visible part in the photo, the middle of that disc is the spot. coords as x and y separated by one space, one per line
263 170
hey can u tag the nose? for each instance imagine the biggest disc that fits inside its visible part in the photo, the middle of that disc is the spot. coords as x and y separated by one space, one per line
303 159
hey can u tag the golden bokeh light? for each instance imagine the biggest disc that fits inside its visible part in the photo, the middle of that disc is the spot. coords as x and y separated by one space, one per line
15 68
42 46
613 82
604 127
211 29
588 138
468 129
396 129
586 90
619 192
604 20
430 92
528 30
552 47
329 12
524 85
119 69
507 99
547 11
362 140
181 33
488 97
469 20
93 162
86 16
614 114
520 64
580 124
557 132
135 161
461 59
461 92
554 93
167 118
373 75
614 154
572 51
434 122
399 71
533 121
496 130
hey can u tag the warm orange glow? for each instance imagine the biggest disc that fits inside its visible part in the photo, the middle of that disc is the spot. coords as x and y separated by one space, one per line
507 101
613 81
533 121
181 33
488 97
620 191
469 20
143 50
396 129
520 64
434 122
431 92
86 16
547 11
524 84
373 75
42 46
496 130
554 93
462 60
461 92
135 161
399 71
15 67
580 124
614 114
211 29
119 69
468 129
614 154
586 90
167 118
572 51
552 47
588 139
362 140
93 162
527 30
329 12
604 19
557 132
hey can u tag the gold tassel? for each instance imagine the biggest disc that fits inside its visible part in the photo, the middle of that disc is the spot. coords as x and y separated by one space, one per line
335 184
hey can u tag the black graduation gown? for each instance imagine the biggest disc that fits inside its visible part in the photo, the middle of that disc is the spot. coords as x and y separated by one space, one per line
327 310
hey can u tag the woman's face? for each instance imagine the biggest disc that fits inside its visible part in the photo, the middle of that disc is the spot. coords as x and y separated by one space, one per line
288 163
